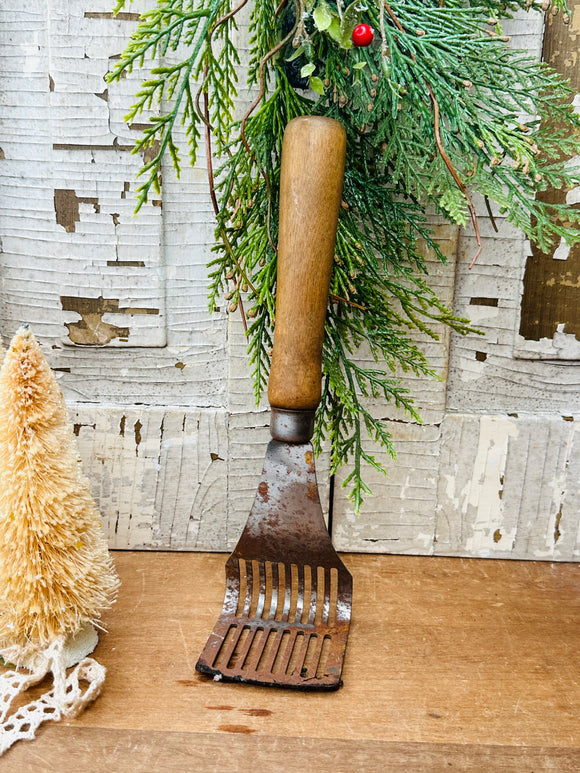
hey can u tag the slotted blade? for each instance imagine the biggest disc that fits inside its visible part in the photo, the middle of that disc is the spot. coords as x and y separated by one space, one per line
288 598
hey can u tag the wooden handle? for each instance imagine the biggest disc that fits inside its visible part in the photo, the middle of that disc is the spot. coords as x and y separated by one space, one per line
313 155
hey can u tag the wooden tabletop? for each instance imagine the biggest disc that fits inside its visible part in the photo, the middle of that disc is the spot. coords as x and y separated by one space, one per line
452 664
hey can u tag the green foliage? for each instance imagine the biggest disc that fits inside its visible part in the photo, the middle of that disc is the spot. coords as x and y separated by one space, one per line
191 24
437 109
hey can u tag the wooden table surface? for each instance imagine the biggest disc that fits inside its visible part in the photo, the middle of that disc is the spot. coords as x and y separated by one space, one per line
452 665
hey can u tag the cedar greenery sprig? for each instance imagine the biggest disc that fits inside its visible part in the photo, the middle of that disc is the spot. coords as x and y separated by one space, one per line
437 109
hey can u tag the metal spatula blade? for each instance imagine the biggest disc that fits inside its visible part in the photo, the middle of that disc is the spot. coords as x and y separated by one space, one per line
288 598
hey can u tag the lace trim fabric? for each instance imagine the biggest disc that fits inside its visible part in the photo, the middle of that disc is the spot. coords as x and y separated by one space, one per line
67 698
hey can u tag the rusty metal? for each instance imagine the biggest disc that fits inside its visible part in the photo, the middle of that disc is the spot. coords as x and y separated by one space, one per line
288 598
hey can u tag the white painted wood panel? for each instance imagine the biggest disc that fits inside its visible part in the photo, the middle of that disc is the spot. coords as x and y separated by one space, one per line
501 382
400 517
508 487
159 388
77 264
158 474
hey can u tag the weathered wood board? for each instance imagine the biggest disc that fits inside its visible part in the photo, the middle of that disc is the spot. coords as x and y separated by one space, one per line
159 387
158 474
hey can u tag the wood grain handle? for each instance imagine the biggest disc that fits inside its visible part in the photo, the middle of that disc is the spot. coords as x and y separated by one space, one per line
313 156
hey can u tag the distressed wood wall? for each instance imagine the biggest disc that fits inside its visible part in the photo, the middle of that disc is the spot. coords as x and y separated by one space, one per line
158 388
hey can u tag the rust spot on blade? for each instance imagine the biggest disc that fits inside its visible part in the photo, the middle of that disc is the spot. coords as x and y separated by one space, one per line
312 490
309 458
263 491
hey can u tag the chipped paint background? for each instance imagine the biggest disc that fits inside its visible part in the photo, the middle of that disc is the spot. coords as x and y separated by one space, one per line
159 389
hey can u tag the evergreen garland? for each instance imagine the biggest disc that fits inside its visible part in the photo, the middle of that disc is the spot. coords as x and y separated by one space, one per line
437 108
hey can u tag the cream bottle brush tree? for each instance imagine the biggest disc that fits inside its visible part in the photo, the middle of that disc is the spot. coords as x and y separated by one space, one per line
56 574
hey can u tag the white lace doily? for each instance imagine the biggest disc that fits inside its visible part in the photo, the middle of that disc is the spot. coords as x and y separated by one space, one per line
67 698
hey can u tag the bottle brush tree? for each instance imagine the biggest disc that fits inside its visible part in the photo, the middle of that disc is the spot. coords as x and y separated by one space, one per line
56 574
437 107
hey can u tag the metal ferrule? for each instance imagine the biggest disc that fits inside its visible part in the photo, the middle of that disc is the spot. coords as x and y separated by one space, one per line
290 426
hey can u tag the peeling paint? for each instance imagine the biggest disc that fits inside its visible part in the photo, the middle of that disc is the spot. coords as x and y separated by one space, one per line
91 330
115 145
126 263
77 427
66 207
489 466
557 532
146 480
137 427
151 152
121 16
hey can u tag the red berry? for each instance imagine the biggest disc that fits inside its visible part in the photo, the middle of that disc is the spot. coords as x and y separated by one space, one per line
362 35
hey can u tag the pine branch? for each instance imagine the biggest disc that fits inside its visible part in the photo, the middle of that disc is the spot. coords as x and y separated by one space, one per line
438 109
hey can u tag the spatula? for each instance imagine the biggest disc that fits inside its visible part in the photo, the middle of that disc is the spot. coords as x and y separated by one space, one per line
288 597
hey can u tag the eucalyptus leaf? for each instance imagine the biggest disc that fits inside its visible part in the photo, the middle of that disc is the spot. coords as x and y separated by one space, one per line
334 29
299 51
336 33
323 17
316 85
350 18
